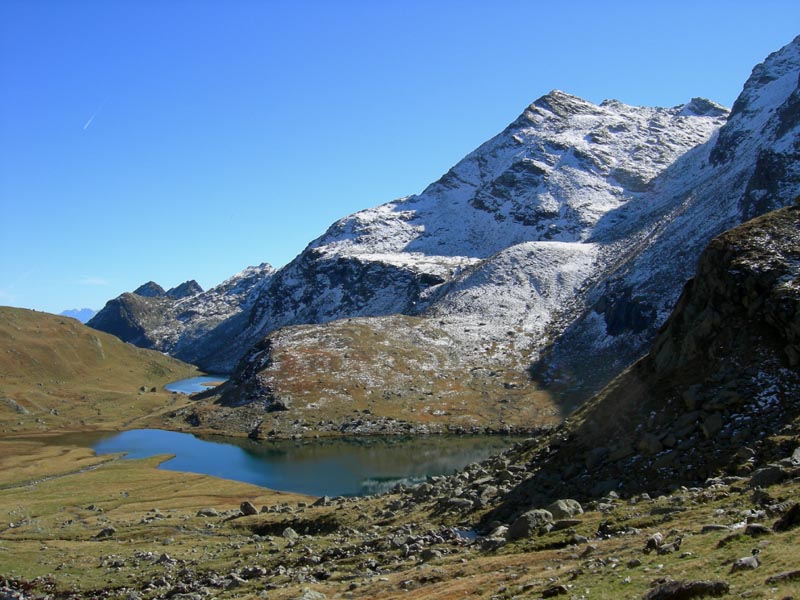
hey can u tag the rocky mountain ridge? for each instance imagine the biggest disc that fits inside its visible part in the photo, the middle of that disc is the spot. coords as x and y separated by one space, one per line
176 320
747 168
560 244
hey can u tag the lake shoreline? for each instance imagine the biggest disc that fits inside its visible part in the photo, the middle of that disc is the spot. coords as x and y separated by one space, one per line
342 466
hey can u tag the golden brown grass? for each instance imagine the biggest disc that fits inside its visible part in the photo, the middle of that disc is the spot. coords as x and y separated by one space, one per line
56 497
402 368
56 374
48 525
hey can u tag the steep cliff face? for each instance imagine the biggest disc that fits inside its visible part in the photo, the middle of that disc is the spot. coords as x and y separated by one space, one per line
719 389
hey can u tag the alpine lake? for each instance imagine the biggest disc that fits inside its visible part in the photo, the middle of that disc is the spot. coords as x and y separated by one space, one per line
317 467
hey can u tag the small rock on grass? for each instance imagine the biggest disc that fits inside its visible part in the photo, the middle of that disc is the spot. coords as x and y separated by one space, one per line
789 519
783 577
556 590
106 533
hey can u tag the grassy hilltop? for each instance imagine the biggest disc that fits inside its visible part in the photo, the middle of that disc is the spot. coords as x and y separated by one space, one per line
57 374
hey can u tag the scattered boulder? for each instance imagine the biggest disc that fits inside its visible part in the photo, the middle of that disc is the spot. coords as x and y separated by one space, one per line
233 581
756 529
565 509
767 476
309 594
633 563
208 512
556 590
789 520
783 577
685 590
253 572
290 534
529 522
430 554
712 527
248 509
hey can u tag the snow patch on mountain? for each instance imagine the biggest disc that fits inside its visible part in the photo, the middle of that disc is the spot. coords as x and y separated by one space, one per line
506 304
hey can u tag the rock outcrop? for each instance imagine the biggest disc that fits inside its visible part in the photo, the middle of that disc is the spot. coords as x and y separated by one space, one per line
719 386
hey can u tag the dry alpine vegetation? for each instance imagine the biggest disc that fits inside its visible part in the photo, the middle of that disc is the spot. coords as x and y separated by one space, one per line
125 530
320 380
58 375
656 506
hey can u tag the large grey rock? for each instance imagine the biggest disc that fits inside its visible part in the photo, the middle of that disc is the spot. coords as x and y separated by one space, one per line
528 523
767 476
565 509
309 594
685 590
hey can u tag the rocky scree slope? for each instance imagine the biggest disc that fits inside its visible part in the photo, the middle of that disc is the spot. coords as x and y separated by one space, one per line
718 394
184 321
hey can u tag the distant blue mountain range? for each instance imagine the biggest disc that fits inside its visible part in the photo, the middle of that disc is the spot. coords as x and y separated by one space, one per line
82 314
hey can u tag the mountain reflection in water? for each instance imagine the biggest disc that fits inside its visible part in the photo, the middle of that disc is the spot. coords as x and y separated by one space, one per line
332 467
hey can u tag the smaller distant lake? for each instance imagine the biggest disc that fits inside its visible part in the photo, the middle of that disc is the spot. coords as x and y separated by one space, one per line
194 384
320 467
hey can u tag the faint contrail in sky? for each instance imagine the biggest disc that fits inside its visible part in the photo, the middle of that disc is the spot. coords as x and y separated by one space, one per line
97 112
89 122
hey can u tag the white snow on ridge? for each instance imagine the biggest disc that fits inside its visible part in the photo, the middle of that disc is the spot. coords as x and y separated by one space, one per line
501 242
552 174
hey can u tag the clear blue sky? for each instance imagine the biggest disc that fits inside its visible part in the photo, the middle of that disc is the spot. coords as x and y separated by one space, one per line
171 140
